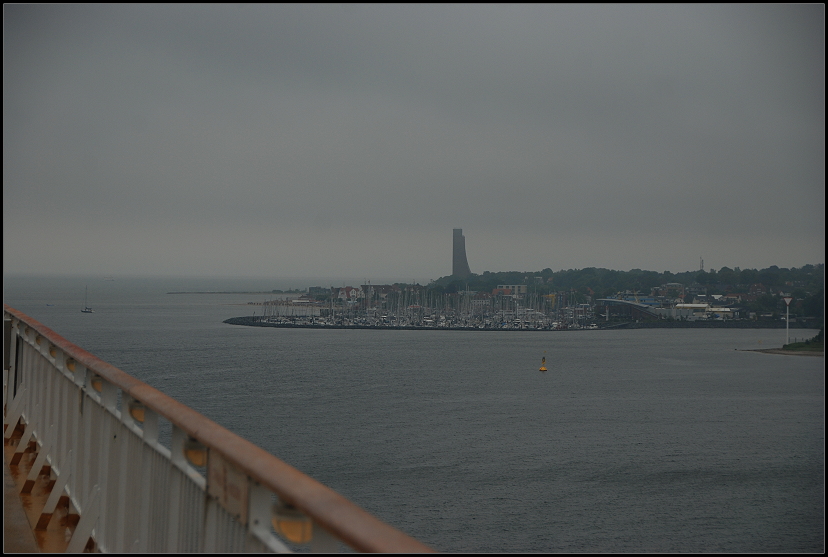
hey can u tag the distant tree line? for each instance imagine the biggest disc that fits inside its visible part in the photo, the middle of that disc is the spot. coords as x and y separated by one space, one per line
806 284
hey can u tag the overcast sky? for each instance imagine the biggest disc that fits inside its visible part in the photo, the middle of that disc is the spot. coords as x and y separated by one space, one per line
308 140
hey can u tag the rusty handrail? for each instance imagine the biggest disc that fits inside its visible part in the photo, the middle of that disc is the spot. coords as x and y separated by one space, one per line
337 515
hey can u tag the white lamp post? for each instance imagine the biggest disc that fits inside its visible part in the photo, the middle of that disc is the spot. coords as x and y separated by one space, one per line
787 317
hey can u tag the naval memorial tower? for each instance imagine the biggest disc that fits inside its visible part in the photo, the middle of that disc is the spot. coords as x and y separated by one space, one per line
459 263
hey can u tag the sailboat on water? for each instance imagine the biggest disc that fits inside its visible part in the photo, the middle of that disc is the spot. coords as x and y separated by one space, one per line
86 308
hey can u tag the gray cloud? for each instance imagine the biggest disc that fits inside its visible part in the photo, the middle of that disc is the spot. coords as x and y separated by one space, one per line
350 140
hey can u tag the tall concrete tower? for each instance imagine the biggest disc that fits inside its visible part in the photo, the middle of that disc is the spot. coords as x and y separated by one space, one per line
459 263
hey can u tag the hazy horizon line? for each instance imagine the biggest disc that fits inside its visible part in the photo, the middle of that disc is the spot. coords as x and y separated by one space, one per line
364 279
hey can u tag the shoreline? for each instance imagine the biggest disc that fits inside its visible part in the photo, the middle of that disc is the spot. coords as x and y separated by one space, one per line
732 324
784 352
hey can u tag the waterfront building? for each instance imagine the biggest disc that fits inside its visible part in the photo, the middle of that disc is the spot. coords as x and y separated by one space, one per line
671 290
347 293
514 290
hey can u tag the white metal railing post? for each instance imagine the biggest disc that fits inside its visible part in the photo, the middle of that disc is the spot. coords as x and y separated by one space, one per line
51 406
27 376
90 459
43 392
20 379
151 428
260 516
107 444
9 351
9 364
176 460
62 433
122 471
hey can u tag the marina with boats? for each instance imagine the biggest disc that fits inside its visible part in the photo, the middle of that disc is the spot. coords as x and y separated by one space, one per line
418 310
506 307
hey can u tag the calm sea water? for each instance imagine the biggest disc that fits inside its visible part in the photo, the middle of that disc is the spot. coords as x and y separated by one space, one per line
642 440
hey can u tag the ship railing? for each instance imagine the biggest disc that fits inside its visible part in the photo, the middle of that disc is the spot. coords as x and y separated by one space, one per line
97 429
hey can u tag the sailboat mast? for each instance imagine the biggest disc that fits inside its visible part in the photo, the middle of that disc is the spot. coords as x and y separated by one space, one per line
86 308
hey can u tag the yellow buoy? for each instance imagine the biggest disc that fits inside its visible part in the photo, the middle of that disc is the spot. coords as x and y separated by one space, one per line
543 364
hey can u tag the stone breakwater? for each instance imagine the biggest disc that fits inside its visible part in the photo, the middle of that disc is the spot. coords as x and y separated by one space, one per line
251 321
256 322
